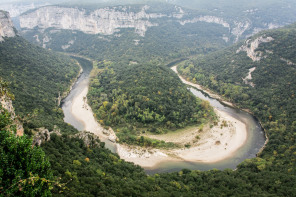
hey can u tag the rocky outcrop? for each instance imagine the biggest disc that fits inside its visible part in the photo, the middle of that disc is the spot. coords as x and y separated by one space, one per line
43 135
89 139
250 47
111 134
208 19
6 26
6 103
239 29
248 78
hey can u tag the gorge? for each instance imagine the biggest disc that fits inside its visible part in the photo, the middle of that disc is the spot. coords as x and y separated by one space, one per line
157 138
238 146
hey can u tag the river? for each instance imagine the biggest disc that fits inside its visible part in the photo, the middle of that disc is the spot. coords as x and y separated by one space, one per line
255 134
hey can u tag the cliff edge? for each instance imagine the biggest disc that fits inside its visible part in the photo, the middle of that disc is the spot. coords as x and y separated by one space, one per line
6 26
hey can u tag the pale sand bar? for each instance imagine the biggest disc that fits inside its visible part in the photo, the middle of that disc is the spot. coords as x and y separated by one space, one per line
215 144
82 112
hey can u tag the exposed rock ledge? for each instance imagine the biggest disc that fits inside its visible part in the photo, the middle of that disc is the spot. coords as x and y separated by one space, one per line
248 78
6 26
101 21
208 19
251 46
6 103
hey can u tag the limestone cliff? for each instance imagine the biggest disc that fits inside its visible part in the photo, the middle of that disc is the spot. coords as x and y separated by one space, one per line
110 20
250 47
6 103
6 26
235 28
100 21
208 19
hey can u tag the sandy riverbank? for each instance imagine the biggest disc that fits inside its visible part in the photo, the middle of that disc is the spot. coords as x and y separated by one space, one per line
215 96
82 112
214 144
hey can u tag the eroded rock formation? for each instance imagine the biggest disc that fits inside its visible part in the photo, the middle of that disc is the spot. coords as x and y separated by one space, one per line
6 26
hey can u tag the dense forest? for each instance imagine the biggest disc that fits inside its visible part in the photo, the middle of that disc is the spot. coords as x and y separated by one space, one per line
37 78
171 41
91 170
24 169
270 96
138 98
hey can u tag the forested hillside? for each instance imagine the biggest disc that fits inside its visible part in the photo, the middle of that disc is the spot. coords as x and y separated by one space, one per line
37 78
139 98
258 74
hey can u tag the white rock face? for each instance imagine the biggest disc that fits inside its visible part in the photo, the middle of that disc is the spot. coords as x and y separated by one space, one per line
248 78
6 26
208 19
251 46
6 103
273 26
101 21
70 43
180 13
240 28
237 29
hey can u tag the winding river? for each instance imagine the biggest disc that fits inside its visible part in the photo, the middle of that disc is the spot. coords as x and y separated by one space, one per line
255 134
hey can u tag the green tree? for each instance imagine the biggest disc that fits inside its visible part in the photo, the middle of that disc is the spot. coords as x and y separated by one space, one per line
24 170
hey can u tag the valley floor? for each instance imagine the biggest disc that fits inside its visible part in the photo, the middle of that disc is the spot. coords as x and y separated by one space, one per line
212 144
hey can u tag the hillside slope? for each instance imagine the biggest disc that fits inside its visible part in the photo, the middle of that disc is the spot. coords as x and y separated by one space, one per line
37 78
258 74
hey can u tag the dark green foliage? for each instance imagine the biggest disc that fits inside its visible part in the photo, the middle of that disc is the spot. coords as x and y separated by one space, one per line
24 170
95 171
272 100
148 97
92 171
37 77
144 94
